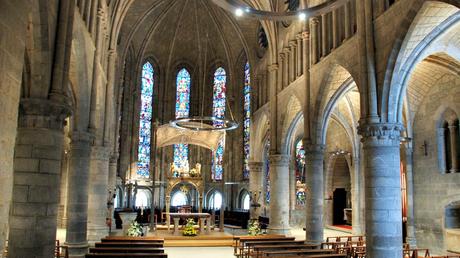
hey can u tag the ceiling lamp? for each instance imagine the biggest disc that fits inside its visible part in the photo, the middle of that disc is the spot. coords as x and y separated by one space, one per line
237 7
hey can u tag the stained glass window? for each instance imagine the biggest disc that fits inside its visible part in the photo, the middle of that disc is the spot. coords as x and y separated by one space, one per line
218 111
246 119
267 171
183 80
299 161
145 121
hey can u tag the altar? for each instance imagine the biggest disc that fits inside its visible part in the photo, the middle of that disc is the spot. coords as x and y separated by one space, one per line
202 217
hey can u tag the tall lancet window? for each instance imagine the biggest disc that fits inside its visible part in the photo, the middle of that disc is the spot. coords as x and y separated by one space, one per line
218 111
246 119
145 121
182 110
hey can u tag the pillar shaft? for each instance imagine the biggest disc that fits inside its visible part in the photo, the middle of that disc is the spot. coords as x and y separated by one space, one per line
299 51
335 32
77 197
37 167
440 134
98 193
347 20
382 189
255 189
279 192
410 239
292 69
324 41
453 131
314 160
314 41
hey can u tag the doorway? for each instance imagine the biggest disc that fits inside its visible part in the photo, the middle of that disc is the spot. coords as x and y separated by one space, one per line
339 204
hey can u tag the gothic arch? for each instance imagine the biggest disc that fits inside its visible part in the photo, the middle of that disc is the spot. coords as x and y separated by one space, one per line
291 116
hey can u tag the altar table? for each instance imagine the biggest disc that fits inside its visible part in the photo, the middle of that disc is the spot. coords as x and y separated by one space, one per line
201 216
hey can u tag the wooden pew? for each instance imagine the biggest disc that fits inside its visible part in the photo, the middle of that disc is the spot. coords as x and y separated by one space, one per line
346 238
128 244
133 239
415 253
297 253
238 240
245 244
125 250
128 247
258 249
133 255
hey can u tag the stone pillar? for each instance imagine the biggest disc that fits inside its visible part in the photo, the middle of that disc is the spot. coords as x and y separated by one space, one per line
314 41
37 167
440 134
382 189
357 191
314 161
335 32
98 191
279 191
112 187
347 19
299 51
255 189
292 185
324 32
77 196
292 70
62 213
284 70
453 130
410 239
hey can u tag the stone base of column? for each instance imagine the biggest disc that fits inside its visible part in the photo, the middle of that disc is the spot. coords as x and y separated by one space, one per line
77 250
96 232
279 231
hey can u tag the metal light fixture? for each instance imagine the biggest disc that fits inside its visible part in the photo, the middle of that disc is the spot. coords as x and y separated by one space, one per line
237 7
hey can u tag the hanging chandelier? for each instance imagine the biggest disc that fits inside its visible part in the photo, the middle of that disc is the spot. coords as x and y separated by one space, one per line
240 8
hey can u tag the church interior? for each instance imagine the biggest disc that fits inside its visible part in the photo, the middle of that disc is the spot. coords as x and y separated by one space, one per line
230 128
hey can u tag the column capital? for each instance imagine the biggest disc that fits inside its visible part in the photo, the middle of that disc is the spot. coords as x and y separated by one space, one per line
380 133
314 20
43 113
287 50
292 44
114 157
279 159
273 67
314 148
81 136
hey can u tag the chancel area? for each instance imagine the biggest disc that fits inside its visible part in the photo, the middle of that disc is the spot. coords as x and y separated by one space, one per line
230 128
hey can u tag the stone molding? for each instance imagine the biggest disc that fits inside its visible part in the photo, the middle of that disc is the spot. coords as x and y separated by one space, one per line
114 157
43 113
273 67
314 148
100 153
279 160
381 133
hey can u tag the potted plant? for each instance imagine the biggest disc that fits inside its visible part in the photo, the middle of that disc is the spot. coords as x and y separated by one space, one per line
189 229
254 228
135 229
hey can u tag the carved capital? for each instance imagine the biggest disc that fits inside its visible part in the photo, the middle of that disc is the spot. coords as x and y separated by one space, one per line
305 35
314 21
279 159
292 44
314 148
114 158
43 113
272 67
381 133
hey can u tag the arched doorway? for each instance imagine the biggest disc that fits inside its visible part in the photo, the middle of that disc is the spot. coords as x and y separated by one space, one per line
341 195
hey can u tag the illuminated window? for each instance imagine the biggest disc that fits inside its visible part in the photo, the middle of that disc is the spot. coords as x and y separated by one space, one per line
182 110
218 111
145 121
245 202
299 161
179 199
246 119
215 201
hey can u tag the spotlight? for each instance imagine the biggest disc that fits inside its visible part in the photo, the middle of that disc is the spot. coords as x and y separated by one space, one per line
302 16
239 12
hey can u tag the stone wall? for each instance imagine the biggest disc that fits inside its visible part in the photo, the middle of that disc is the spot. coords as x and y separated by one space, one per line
433 190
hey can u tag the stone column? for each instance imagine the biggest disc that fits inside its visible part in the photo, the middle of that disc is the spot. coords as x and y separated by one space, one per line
279 192
292 185
382 189
112 187
440 134
335 32
324 32
37 167
292 70
314 161
299 51
255 188
98 191
453 130
357 191
410 239
62 214
77 196
283 72
347 20
314 41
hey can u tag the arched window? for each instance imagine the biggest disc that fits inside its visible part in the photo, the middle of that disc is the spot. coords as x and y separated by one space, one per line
179 199
215 201
218 111
145 121
246 119
245 201
182 110
299 161
142 198
448 140
267 170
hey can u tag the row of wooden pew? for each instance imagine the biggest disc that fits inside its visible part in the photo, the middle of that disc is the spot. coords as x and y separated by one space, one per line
131 247
279 246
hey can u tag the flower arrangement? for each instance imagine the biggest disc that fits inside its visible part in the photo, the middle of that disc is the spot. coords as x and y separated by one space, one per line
189 229
135 229
254 228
